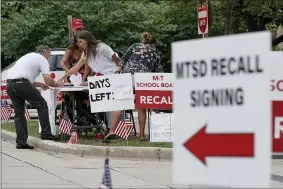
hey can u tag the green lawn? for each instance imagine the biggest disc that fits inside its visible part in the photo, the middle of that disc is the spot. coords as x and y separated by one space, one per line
133 141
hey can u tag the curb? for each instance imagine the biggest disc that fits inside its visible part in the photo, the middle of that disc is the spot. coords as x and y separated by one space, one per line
138 153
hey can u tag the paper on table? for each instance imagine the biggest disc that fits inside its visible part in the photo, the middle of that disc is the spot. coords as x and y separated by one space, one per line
76 79
124 93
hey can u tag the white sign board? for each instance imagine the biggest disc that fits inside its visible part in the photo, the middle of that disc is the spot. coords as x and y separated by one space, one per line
276 88
153 90
276 75
222 111
161 127
111 92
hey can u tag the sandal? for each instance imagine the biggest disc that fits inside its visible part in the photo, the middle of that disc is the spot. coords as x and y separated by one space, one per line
110 136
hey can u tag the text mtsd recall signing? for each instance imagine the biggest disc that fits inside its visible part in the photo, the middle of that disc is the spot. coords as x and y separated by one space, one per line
222 66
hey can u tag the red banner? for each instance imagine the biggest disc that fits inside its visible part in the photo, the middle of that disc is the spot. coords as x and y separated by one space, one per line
148 99
277 126
4 94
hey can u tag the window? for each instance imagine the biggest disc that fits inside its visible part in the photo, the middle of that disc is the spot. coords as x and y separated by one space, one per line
59 59
51 60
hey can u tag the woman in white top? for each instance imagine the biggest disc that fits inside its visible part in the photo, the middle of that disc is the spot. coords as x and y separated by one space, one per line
99 57
96 54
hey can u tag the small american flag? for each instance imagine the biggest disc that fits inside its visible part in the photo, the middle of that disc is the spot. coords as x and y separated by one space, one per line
106 181
59 96
27 114
66 124
124 128
6 111
8 106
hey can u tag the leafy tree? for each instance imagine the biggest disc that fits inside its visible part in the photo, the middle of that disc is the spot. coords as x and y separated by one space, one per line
118 23
257 16
27 24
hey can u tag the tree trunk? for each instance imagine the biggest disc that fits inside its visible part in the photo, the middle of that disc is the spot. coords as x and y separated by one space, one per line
277 40
228 17
210 15
252 23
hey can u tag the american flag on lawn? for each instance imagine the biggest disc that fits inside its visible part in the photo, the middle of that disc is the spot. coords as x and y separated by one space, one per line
6 111
125 127
106 181
66 124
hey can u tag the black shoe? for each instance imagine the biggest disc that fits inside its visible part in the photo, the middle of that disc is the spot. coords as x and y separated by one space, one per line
110 136
49 137
24 146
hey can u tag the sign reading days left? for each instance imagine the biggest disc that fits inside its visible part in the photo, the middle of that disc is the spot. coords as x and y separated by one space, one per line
111 92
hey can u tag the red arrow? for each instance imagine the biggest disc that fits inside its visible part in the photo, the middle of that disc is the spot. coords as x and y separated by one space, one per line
204 145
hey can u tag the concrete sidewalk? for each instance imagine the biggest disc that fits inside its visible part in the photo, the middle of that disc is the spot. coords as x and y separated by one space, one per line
34 169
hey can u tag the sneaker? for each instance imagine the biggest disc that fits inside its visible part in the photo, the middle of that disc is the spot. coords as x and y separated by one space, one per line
24 146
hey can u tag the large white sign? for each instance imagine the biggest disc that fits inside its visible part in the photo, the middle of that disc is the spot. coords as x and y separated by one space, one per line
111 92
222 111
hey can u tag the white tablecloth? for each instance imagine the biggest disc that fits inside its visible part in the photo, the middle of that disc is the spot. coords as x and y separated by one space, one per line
50 96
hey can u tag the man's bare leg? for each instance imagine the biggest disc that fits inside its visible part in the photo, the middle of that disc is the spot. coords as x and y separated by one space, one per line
142 121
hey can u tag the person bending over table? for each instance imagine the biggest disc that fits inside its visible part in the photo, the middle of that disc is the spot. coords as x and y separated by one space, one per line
21 87
70 59
141 57
97 55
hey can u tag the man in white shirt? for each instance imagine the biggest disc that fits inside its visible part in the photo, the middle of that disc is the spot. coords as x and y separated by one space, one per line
21 87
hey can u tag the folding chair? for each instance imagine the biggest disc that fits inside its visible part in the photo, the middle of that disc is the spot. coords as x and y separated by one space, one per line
132 119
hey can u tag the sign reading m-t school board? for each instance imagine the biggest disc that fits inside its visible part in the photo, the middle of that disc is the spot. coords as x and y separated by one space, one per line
222 111
153 90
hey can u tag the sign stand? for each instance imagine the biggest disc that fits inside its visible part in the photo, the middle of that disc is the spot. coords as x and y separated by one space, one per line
125 119
153 91
148 123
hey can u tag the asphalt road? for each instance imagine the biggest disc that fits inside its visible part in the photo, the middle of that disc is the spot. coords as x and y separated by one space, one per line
35 169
